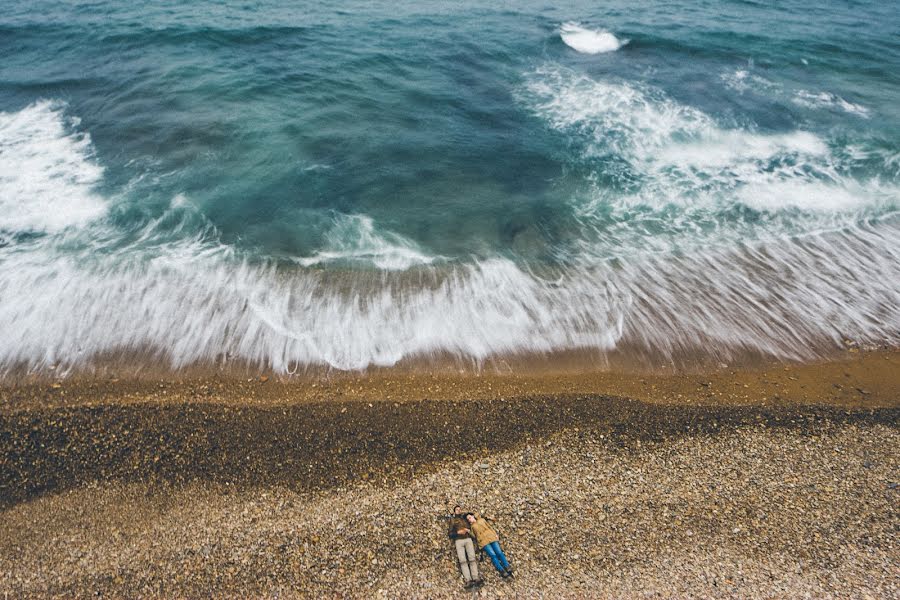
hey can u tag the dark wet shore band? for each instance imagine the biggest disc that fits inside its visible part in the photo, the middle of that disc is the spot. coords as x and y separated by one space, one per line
323 445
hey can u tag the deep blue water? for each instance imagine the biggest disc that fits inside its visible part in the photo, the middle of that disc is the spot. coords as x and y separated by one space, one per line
294 183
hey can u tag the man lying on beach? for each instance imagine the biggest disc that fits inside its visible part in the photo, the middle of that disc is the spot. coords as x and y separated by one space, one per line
461 535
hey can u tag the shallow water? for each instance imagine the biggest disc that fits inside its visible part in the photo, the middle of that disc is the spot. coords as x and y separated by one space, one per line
294 185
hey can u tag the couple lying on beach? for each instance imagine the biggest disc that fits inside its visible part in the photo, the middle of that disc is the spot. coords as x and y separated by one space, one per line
466 527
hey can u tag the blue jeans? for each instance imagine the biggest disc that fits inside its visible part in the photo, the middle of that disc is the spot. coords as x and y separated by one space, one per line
497 557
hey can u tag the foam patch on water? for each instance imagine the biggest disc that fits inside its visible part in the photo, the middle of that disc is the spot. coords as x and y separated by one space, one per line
47 171
828 101
355 239
720 149
589 41
743 80
684 158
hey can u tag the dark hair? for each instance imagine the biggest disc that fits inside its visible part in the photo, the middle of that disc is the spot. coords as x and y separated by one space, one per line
455 506
473 515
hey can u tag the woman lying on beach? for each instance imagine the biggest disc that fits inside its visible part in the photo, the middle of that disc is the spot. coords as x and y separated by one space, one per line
489 541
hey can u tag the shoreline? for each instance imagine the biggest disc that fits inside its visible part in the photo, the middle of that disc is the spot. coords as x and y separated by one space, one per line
854 379
149 364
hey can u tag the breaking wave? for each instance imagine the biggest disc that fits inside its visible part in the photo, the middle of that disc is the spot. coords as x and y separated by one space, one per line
695 236
48 173
589 41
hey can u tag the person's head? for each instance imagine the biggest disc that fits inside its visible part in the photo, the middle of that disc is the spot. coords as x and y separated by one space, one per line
470 518
457 509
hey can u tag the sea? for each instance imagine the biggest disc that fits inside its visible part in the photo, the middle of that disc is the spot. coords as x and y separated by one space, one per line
290 185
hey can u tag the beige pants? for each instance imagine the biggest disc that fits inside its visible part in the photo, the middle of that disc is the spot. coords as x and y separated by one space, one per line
465 551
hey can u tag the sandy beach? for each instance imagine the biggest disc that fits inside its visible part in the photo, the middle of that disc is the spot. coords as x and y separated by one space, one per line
769 482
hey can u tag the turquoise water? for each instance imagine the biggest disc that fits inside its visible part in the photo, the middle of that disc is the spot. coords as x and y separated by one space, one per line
292 184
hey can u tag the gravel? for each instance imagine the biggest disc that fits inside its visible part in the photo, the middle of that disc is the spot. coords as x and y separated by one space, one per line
593 497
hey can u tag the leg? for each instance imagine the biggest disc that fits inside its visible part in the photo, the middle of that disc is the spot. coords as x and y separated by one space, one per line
473 563
500 555
491 551
463 562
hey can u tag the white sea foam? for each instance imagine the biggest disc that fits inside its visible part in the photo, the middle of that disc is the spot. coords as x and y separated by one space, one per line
47 173
742 80
354 238
828 101
683 157
589 41
807 195
719 149
199 305
189 298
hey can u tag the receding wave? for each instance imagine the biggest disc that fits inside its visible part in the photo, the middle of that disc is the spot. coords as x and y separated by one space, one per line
194 303
705 238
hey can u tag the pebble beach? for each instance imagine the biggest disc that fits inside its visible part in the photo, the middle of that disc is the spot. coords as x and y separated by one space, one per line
189 489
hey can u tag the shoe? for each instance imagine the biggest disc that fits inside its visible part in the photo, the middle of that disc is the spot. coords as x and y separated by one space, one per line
469 585
509 572
479 582
504 574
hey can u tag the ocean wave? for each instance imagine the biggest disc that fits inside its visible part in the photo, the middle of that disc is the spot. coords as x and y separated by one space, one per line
673 155
355 239
175 291
829 101
742 80
196 304
589 41
142 36
47 171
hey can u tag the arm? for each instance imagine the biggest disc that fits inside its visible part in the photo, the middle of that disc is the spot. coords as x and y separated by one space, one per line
454 533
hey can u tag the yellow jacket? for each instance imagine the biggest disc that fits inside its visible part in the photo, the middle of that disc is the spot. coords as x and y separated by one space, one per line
484 534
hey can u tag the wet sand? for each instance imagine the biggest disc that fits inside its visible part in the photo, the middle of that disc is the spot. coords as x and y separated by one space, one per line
772 482
853 379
